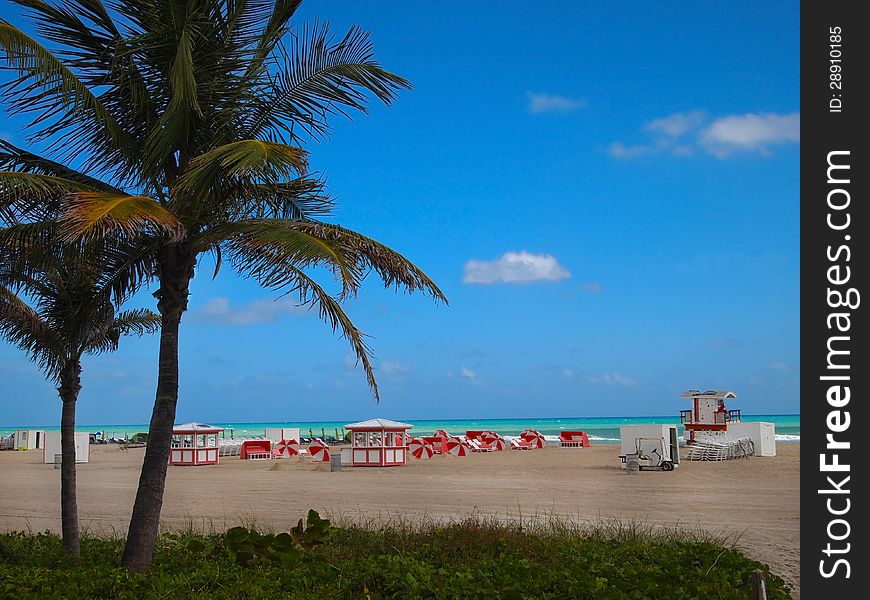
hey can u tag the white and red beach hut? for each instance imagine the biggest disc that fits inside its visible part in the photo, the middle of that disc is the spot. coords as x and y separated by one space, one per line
194 444
378 443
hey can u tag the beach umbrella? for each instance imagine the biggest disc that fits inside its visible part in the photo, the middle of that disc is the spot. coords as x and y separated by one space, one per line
420 449
456 447
535 437
488 437
499 443
287 448
319 450
442 434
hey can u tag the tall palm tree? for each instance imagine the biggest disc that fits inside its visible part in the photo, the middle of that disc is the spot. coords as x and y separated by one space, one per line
184 119
71 316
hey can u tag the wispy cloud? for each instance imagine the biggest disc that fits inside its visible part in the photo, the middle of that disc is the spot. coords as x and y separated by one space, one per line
610 379
468 373
567 374
728 342
593 287
394 368
515 267
221 312
676 124
687 133
551 103
779 366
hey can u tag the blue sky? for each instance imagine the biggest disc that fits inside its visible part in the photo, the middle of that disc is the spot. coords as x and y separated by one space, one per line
608 197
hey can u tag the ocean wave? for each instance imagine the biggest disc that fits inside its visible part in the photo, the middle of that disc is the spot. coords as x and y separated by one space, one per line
785 437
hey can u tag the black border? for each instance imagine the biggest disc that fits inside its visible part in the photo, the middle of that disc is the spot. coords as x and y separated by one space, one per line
824 131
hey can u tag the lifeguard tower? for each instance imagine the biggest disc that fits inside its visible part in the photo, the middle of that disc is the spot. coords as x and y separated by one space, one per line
708 417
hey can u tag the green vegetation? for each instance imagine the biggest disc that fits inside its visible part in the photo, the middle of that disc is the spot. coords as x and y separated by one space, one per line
472 559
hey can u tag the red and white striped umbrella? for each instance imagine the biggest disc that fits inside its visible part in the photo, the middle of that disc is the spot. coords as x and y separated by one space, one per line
488 437
319 450
287 448
535 437
499 443
420 449
442 434
456 447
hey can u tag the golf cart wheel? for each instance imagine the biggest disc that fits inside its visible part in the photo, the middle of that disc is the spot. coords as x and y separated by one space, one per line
667 466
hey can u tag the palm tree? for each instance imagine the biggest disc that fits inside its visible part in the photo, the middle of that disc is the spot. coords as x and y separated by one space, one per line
71 316
184 120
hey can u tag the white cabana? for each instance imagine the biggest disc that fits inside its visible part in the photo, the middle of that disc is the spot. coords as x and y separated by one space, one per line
378 443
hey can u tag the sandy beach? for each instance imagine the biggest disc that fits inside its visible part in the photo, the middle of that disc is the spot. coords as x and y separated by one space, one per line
756 499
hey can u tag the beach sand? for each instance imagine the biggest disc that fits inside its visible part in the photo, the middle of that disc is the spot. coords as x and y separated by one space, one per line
756 499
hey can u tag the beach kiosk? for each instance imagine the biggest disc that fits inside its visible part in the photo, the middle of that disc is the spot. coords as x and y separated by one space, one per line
708 417
378 443
194 444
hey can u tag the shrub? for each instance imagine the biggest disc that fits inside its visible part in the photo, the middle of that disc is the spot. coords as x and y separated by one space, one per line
471 559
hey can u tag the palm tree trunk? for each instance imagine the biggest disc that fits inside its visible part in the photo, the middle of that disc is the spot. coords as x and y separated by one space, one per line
175 266
70 385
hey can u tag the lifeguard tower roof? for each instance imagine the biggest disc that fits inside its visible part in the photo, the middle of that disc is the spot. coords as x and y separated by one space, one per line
712 394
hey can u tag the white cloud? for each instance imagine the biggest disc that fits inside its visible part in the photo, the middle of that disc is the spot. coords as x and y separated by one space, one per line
676 124
593 287
750 133
611 379
567 374
515 267
684 134
547 103
620 150
468 373
219 310
394 368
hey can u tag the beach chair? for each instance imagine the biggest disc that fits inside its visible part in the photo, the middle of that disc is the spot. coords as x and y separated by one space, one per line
436 442
256 450
573 439
522 444
474 435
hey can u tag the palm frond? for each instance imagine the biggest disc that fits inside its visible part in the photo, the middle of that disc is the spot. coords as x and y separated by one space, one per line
21 326
32 196
318 78
13 158
298 199
137 322
262 248
330 311
89 215
251 159
46 86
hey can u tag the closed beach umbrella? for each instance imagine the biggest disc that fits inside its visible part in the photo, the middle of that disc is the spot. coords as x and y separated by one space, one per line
456 447
319 450
420 449
535 437
287 448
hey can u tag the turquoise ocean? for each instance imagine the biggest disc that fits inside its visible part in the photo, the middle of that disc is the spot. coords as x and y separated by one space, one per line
601 430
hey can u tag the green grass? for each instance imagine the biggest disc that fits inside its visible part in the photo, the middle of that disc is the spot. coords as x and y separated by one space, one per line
471 559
